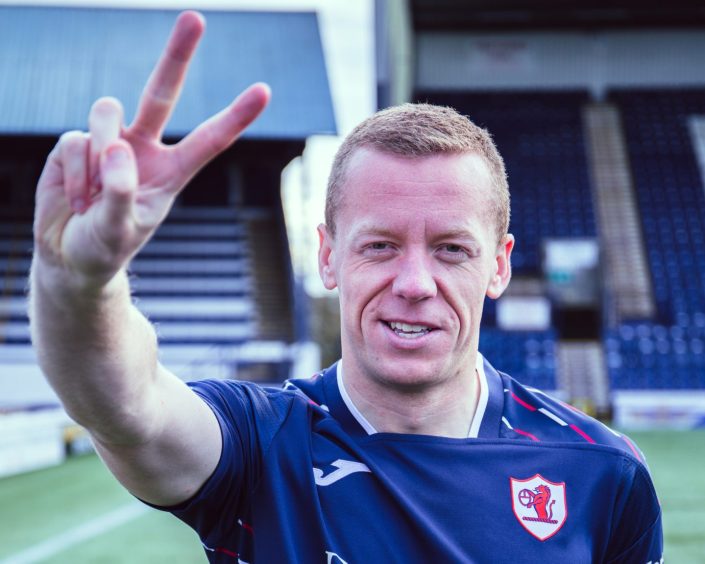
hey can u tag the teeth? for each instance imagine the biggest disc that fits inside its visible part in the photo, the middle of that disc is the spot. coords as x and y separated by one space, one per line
410 335
407 328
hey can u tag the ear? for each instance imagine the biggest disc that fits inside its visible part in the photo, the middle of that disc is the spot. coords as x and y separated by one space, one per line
326 268
503 272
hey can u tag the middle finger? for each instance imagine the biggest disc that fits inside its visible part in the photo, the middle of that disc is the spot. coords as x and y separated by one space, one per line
167 78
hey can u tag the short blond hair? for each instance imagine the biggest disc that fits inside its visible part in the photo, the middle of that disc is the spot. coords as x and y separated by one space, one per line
420 130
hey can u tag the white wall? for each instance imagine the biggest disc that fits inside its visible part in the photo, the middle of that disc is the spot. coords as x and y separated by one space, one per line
559 60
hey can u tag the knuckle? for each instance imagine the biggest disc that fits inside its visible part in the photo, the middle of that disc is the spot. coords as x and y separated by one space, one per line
119 183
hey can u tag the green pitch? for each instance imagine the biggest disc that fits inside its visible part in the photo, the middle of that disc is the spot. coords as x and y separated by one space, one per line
59 503
77 513
677 464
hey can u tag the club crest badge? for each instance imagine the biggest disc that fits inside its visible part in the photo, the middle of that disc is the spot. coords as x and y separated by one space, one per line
539 505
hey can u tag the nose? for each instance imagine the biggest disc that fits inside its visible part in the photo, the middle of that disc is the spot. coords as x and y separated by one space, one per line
414 280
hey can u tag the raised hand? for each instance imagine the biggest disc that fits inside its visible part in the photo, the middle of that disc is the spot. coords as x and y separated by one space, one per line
103 193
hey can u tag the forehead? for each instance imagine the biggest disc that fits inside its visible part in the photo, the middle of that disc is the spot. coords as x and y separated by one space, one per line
453 188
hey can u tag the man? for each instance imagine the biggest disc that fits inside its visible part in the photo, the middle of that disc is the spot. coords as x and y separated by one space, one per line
412 448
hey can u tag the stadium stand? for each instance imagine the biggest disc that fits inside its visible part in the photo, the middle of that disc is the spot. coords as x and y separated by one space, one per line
666 352
528 356
180 279
670 194
654 356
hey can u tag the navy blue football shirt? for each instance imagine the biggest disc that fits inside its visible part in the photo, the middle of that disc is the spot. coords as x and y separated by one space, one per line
303 477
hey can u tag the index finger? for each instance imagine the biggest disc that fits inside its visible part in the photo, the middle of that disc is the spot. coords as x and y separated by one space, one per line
217 133
165 83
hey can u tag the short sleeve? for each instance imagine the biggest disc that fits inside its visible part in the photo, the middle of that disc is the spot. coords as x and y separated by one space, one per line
249 416
637 534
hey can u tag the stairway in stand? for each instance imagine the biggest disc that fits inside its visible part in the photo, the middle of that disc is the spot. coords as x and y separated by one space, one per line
272 288
626 266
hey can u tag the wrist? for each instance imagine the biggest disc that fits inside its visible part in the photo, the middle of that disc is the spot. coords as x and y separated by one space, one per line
71 286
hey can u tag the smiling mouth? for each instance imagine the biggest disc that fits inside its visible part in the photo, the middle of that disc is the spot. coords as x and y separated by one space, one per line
407 330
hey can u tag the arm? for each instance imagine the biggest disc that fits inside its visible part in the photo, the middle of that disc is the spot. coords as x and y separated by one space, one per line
100 198
637 531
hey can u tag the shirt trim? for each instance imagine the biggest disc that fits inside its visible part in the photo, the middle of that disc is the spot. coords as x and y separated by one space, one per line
482 400
475 424
359 417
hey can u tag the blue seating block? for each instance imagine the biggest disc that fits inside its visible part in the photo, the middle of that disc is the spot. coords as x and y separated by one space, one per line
528 356
669 353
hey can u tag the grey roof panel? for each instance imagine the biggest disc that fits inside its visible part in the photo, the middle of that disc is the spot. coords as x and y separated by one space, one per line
54 62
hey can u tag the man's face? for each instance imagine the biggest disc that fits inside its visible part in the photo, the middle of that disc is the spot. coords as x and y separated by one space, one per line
414 255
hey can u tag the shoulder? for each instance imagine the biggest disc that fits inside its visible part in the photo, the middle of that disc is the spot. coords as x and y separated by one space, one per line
534 415
266 402
531 415
236 390
246 403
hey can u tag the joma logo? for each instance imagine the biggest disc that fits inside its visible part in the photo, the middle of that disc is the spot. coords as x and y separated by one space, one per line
344 468
333 558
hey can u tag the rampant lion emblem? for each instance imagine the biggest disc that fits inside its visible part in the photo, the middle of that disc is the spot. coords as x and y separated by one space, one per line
539 505
538 499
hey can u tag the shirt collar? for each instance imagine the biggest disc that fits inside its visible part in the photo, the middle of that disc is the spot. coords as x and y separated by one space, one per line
347 400
489 420
481 400
336 404
485 422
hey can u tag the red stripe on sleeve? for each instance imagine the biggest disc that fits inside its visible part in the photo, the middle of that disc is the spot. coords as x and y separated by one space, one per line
526 434
522 402
226 551
631 446
582 433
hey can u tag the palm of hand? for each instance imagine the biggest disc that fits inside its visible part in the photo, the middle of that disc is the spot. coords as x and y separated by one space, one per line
96 243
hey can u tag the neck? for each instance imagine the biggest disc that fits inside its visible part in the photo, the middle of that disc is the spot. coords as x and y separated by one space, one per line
445 410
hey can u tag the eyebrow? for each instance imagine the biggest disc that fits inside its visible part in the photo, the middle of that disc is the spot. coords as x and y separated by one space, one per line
366 231
458 234
370 230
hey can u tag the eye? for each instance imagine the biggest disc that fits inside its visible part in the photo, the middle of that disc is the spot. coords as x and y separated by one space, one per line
378 249
451 252
453 249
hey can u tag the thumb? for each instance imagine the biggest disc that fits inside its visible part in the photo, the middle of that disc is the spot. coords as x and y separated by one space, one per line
118 171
